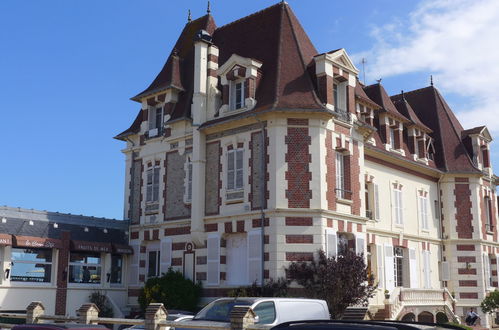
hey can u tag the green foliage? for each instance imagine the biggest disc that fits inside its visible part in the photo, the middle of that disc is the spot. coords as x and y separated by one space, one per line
100 300
462 326
491 302
271 288
171 289
341 281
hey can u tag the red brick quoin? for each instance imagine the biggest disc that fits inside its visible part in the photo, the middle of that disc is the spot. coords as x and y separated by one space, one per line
464 217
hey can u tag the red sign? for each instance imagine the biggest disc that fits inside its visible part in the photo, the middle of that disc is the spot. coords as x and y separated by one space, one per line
37 242
5 239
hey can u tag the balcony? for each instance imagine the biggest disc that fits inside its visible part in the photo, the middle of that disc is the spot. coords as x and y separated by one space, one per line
342 115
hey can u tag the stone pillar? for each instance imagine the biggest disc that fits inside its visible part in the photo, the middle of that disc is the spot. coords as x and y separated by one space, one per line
34 311
155 313
62 274
241 317
88 314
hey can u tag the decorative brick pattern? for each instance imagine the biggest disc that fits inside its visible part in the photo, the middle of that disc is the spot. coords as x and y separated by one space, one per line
464 227
228 227
465 271
175 207
135 191
134 235
256 223
331 172
176 261
299 256
255 175
177 231
354 178
211 227
468 295
465 247
62 264
299 239
472 283
201 260
201 276
298 221
298 158
178 246
213 182
155 234
240 226
466 259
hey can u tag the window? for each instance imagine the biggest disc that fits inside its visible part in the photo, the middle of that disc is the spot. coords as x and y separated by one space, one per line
153 259
236 95
397 205
188 179
116 269
423 210
372 201
85 267
392 137
488 214
155 122
340 175
31 265
398 263
235 169
152 193
265 312
335 96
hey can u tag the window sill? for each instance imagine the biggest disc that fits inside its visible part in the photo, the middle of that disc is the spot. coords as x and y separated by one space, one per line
399 225
343 201
234 196
489 232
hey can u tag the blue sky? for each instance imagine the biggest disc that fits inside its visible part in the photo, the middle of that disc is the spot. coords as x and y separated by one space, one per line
68 69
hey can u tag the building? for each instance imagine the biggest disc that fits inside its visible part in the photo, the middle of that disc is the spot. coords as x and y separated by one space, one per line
249 121
60 259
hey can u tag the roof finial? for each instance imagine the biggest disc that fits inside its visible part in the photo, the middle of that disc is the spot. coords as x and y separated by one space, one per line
379 80
208 10
431 80
403 96
189 18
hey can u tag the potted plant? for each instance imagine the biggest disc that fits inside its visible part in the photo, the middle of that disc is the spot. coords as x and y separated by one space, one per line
387 294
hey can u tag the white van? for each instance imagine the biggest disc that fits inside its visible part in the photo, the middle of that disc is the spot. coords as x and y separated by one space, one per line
269 311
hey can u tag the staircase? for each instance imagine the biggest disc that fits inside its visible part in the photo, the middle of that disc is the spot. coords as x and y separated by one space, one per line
354 313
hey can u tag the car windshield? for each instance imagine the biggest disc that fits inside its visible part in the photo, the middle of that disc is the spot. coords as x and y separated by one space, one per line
219 310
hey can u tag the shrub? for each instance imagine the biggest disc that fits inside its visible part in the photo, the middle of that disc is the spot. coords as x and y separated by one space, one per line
171 289
271 288
100 300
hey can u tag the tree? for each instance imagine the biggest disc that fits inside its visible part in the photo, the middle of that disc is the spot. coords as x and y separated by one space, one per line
100 300
341 281
171 289
491 302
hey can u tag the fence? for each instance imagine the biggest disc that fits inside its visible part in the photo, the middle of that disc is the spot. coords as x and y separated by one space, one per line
241 317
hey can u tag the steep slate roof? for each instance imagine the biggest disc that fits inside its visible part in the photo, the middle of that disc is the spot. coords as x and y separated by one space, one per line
471 131
405 108
133 129
377 93
450 151
360 94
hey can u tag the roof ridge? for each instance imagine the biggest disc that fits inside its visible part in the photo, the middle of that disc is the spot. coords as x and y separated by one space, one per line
251 15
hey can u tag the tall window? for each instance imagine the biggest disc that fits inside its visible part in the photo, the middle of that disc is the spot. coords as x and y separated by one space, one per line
153 259
340 175
235 169
152 193
116 269
488 213
237 95
85 267
335 96
155 121
423 211
188 179
397 205
31 265
398 263
392 137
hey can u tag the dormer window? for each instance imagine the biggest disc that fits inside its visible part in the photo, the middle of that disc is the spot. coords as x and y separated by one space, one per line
155 121
340 96
237 94
392 138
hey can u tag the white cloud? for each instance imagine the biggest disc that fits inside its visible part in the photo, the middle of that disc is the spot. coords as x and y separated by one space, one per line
455 40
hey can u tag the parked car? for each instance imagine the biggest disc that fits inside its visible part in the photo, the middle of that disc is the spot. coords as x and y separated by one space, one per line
173 315
368 325
269 311
72 326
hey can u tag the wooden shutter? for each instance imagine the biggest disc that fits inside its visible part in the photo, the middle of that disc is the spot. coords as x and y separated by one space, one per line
255 256
213 260
133 274
413 269
427 269
165 255
444 271
331 243
360 239
379 264
389 268
376 202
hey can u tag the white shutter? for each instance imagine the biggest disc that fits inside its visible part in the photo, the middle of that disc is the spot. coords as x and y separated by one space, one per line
213 260
423 211
444 271
239 169
413 269
155 196
427 269
339 174
133 274
230 169
331 243
376 202
389 268
165 255
360 239
255 256
379 264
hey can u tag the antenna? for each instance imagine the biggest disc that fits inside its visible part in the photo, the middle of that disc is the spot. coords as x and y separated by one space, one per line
364 69
403 96
189 18
208 10
431 80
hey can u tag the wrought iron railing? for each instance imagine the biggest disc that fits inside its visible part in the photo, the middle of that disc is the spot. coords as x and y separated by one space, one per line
342 115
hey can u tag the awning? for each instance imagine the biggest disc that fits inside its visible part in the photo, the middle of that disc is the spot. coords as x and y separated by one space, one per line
37 242
5 239
91 246
122 249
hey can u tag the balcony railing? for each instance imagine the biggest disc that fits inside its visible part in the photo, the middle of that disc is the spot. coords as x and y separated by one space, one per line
342 115
489 227
343 194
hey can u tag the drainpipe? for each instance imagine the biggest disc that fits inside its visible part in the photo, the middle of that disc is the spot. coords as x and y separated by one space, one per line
262 198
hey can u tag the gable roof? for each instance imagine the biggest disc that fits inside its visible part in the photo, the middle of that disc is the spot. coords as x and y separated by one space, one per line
377 93
450 151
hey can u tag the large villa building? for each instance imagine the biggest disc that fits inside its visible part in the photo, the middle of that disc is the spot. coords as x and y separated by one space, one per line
249 121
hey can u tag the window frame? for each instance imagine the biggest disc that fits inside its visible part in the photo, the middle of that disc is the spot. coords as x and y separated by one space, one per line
398 266
234 172
121 270
86 264
32 283
157 259
398 208
340 175
423 210
236 103
152 188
